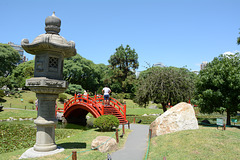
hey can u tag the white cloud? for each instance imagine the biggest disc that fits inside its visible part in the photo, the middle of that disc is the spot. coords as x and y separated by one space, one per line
228 53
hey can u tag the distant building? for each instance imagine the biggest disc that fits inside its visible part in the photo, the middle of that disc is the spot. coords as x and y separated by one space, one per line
159 64
203 65
20 51
137 74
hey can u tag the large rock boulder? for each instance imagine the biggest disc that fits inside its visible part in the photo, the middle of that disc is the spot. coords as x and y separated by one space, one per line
179 117
104 144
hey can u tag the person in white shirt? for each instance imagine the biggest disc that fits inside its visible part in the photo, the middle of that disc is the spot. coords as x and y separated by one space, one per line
106 91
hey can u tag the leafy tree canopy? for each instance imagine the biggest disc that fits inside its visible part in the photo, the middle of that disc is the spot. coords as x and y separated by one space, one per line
123 64
78 70
218 85
74 88
165 85
238 40
8 59
22 72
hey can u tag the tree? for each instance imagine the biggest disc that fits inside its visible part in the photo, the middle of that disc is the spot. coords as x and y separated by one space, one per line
218 86
74 88
123 64
5 81
22 72
238 40
8 59
79 70
165 85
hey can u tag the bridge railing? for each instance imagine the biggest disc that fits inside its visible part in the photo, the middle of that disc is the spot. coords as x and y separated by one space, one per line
83 99
97 102
114 102
117 104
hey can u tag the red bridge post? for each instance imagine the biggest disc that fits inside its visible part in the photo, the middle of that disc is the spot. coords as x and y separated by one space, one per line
124 112
64 107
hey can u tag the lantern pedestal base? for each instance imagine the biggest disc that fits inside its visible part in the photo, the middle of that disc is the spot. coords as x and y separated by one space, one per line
31 153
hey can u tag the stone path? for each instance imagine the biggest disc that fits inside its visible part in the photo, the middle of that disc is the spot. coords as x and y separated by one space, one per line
136 144
19 109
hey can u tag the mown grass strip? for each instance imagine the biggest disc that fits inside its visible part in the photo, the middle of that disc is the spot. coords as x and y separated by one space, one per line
204 143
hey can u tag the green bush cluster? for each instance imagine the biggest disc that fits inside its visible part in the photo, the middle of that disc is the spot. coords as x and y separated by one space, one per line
106 122
121 96
19 136
62 97
2 93
124 95
74 88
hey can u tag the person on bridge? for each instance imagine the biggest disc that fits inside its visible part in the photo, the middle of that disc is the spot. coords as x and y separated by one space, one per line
106 91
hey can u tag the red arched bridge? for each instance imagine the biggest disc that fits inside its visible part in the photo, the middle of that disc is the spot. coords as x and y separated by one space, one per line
76 109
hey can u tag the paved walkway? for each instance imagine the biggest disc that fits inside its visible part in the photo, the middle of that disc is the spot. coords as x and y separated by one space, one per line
136 144
19 109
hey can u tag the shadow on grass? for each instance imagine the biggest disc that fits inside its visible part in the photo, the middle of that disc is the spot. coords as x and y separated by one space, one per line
73 145
73 126
99 130
2 100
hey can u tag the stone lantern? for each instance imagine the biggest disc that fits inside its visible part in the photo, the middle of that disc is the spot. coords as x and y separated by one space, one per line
49 49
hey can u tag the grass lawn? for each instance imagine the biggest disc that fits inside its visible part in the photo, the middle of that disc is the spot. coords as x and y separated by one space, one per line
12 102
6 113
134 109
70 139
204 143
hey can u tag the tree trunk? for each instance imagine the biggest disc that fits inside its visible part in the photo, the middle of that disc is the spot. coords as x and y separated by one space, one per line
164 107
228 117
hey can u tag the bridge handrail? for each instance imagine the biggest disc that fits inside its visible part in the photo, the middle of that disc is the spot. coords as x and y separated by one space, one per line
117 104
95 101
82 99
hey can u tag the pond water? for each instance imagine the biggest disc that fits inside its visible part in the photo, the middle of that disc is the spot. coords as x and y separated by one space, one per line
75 126
68 126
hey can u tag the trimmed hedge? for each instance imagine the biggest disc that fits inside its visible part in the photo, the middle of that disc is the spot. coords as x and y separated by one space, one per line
106 122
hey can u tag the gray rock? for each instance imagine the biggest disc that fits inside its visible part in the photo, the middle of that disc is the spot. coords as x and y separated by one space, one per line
178 118
106 144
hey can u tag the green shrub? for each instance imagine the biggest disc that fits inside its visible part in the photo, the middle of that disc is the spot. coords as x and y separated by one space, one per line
127 95
31 101
74 88
159 106
62 97
18 136
2 93
106 122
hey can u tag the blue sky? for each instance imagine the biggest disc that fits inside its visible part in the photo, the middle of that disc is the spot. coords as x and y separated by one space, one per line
175 32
